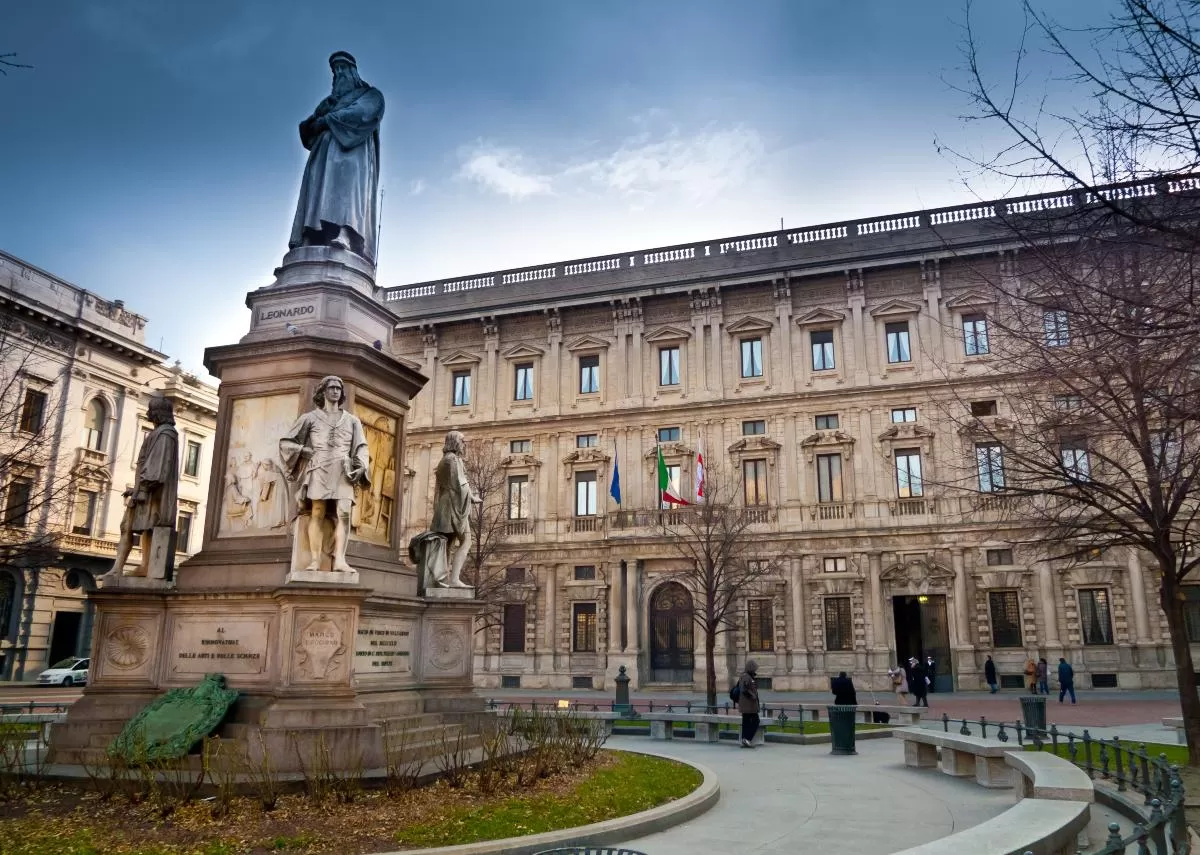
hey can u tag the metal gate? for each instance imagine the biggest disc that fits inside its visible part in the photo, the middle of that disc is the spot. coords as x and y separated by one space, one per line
671 639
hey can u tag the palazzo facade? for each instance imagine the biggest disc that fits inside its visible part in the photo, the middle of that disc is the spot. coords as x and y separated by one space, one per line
77 377
815 364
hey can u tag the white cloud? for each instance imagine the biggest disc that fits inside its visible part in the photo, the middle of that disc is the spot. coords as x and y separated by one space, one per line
696 168
503 171
417 187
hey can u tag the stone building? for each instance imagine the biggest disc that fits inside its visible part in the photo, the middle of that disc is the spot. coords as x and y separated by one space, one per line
77 376
817 364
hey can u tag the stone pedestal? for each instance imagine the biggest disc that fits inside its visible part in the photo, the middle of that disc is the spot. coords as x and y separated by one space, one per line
322 659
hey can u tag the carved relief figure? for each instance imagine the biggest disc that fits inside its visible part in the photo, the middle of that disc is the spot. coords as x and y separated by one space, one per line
257 495
151 505
373 514
451 525
325 454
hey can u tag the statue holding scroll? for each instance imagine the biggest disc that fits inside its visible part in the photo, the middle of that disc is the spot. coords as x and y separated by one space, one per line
451 526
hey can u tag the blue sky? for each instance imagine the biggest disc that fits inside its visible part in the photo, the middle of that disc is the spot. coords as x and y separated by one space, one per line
151 154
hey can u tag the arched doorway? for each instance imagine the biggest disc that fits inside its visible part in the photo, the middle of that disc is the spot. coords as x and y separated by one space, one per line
671 635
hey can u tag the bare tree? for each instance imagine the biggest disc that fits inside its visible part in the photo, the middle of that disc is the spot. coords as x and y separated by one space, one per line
722 564
492 552
9 60
1095 346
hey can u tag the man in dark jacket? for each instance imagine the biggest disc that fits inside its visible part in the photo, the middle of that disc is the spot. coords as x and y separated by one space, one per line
917 682
843 690
1066 680
989 674
748 703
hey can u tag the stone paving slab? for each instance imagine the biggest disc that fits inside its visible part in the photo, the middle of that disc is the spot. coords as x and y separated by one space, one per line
781 799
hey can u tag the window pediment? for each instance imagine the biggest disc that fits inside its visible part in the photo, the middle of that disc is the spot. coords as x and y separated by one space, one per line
524 461
461 358
820 317
918 574
584 456
970 300
906 433
895 308
667 334
984 426
748 324
827 442
670 449
751 444
989 579
523 351
588 342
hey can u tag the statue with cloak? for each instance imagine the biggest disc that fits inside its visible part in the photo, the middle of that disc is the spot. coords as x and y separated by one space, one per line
151 504
338 196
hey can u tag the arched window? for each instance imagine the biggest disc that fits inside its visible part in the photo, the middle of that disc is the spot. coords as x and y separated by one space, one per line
8 601
93 424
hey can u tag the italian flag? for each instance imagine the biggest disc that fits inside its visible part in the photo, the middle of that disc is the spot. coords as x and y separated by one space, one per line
667 491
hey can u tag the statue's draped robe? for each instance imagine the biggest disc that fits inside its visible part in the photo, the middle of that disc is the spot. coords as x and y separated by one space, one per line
157 473
451 498
341 179
339 459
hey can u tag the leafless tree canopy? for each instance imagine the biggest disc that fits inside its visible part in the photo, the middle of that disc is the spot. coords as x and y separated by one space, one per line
721 563
9 60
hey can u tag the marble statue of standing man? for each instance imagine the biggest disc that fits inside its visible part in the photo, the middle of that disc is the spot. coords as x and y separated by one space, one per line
452 500
151 504
326 453
339 193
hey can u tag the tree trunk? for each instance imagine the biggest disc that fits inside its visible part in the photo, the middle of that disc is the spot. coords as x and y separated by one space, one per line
710 662
1185 674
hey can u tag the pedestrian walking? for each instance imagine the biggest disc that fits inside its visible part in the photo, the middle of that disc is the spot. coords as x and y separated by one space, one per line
899 683
1043 676
748 702
1031 675
1066 680
843 690
989 674
918 683
930 673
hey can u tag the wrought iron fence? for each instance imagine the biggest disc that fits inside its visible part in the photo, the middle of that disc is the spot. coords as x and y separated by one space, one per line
1127 766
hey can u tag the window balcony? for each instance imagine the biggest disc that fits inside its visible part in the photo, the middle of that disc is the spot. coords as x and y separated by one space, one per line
757 514
86 544
587 524
517 528
912 507
831 511
90 457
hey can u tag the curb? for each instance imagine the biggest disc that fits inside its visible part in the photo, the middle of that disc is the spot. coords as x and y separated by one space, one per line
610 831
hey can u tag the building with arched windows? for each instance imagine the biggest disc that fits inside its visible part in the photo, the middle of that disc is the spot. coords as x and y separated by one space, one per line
76 376
815 364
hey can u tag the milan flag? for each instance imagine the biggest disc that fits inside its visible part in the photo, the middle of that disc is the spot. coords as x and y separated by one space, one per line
667 492
699 473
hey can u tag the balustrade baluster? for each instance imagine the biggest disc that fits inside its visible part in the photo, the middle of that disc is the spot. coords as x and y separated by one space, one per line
1087 755
983 727
1141 835
1117 751
1158 832
1113 841
946 722
1104 759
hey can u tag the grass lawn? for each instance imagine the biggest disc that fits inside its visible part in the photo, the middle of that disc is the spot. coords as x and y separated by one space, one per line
1175 753
62 820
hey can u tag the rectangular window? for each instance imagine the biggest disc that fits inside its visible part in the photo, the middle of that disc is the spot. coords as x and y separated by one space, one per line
589 374
1075 461
979 409
975 335
822 350
752 357
587 440
518 497
191 459
520 446
668 366
754 427
585 572
829 421
834 565
1056 328
908 473
1065 403
462 388
900 415
183 531
1191 612
989 466
999 557
585 494
524 386
1094 616
829 478
839 629
673 486
33 411
761 626
514 628
583 627
898 349
669 434
1005 609
754 474
16 502
514 575
83 516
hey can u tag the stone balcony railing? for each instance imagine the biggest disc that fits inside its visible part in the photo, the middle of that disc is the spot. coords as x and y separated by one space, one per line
90 457
86 544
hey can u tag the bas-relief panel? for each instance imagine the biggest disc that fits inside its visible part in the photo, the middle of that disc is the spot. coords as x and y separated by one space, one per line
375 506
256 495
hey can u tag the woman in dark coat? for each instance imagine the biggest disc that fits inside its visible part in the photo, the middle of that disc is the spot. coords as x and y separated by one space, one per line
843 690
748 702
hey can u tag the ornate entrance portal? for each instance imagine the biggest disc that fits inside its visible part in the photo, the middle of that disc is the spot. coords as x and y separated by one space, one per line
671 635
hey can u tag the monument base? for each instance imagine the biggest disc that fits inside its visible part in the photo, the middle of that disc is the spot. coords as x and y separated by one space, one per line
322 577
449 593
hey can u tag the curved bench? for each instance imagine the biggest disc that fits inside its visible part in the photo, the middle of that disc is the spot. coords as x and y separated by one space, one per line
1041 826
1045 776
1176 722
961 756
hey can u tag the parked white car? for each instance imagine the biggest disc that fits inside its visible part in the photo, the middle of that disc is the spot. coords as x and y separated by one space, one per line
69 672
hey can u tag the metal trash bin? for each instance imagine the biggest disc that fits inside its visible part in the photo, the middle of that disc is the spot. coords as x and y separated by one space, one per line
841 728
1033 710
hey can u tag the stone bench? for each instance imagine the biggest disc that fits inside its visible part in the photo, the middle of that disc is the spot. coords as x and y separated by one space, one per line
864 713
707 726
961 756
1041 826
1177 723
42 720
1039 775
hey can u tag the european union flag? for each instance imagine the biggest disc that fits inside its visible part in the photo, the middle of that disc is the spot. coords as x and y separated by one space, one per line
615 489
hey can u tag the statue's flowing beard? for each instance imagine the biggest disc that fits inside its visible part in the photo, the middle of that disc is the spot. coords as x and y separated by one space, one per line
345 82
